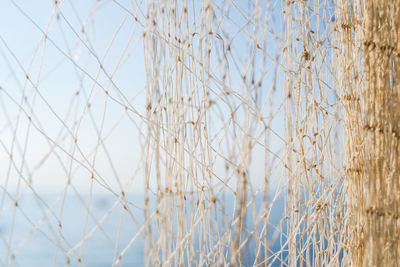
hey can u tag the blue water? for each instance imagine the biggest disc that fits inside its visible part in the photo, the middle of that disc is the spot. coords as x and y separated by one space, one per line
30 247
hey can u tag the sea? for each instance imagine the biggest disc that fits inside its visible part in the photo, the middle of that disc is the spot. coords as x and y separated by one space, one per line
40 230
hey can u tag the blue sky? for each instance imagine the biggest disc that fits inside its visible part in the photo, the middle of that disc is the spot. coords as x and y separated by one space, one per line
65 77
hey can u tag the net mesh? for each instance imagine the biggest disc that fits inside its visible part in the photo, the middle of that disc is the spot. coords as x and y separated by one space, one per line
198 133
